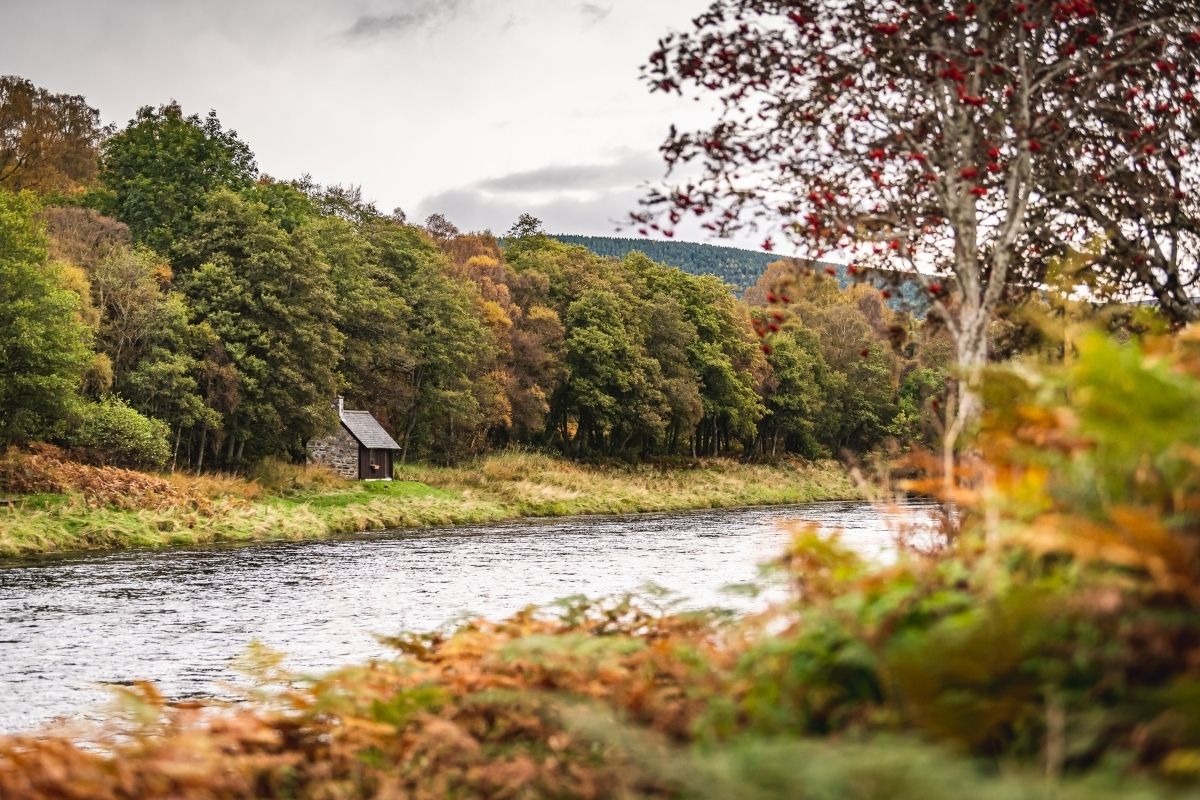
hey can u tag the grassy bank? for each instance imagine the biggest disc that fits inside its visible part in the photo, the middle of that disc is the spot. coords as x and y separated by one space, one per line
82 515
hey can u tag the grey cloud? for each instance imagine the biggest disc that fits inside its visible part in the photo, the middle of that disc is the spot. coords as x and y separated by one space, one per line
595 12
591 199
625 172
474 209
604 214
419 15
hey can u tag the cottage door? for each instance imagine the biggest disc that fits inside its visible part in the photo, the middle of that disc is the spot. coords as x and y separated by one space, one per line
365 459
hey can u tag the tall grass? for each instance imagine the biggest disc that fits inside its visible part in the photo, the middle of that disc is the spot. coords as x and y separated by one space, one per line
281 501
534 484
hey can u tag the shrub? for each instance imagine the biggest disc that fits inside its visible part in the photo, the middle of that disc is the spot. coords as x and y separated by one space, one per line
47 469
112 433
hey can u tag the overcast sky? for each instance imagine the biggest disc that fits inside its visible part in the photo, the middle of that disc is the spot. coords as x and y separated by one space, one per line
480 109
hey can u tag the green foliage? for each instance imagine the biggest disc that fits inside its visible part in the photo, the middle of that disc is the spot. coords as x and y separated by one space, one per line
43 341
269 301
235 307
110 432
445 339
163 165
912 422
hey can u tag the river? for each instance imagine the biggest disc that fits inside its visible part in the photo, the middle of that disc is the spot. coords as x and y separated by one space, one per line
69 625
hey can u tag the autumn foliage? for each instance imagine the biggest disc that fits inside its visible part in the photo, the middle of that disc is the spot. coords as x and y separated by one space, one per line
45 469
1050 648
970 145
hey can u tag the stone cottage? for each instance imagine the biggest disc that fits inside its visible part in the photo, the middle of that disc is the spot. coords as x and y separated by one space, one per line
359 448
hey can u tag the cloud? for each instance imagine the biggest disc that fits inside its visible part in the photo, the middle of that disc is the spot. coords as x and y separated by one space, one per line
625 172
591 199
474 209
594 12
419 15
587 198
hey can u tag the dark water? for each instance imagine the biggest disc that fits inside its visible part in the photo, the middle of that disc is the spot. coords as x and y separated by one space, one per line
178 617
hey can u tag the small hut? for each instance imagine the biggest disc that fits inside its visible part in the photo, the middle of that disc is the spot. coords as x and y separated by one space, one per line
360 447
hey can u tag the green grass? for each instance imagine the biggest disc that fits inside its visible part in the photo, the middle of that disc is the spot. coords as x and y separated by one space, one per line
500 487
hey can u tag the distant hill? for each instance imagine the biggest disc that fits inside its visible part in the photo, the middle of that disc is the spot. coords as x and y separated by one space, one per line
737 267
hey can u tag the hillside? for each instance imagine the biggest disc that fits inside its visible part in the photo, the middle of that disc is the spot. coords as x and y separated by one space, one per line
738 267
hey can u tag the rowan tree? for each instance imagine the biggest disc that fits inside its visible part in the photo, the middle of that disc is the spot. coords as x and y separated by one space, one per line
969 143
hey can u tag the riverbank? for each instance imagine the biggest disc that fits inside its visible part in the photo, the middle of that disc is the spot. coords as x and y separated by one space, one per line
176 511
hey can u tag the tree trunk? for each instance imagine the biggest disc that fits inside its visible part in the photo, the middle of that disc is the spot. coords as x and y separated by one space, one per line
203 444
175 452
972 351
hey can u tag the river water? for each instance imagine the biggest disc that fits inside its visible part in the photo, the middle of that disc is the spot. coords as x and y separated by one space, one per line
70 625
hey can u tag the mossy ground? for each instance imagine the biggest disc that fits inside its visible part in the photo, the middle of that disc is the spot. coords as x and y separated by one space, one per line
500 487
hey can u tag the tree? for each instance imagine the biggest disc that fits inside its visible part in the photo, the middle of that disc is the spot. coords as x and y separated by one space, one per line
162 167
267 297
526 225
721 353
43 342
48 142
795 393
82 237
968 142
337 200
437 407
614 386
373 317
440 228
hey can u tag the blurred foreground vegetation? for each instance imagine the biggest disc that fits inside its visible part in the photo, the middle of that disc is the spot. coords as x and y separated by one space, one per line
1049 647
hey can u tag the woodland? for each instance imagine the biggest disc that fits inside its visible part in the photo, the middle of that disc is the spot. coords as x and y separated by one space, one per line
167 306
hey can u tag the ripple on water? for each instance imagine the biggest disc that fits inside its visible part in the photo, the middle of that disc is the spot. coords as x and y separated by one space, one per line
69 625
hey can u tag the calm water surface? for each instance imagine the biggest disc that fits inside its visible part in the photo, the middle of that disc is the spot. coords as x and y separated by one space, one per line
178 617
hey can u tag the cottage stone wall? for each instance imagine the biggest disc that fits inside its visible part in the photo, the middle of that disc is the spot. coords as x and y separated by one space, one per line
338 452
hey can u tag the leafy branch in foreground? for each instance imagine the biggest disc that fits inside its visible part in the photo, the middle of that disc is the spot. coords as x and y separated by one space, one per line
967 143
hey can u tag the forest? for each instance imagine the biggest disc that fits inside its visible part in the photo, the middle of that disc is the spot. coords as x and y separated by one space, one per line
174 307
738 267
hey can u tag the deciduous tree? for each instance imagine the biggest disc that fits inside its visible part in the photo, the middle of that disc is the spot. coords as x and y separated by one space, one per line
44 345
969 142
161 168
48 142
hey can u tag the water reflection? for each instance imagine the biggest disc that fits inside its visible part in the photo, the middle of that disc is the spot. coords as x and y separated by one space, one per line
178 617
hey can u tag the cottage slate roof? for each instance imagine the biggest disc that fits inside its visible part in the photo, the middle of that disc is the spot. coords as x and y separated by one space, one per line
368 431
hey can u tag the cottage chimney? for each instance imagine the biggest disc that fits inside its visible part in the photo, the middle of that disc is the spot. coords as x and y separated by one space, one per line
341 406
